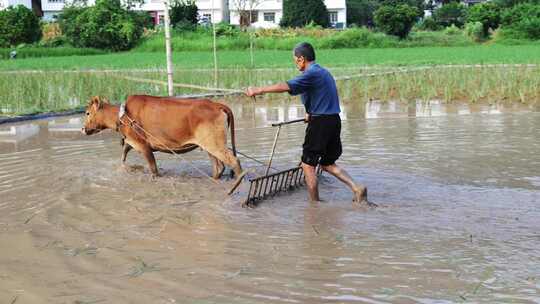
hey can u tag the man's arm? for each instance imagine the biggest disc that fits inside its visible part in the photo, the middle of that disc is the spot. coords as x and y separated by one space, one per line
276 88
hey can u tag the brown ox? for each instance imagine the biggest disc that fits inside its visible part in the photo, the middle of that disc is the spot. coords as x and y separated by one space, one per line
168 125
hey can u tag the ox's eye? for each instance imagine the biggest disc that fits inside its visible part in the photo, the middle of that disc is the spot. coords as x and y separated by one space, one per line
87 113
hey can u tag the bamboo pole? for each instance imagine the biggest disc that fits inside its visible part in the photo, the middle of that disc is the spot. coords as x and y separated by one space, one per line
168 48
216 81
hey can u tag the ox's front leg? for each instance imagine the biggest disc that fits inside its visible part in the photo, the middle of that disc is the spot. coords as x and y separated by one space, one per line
125 150
149 156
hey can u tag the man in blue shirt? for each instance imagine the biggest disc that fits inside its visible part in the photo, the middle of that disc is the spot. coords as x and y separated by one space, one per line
322 143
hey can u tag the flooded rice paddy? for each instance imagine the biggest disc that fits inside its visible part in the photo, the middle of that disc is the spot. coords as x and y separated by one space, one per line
459 189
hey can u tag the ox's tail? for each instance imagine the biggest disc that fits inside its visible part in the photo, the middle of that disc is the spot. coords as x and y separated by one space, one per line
230 121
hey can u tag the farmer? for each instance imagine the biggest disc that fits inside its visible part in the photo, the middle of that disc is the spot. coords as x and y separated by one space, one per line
322 143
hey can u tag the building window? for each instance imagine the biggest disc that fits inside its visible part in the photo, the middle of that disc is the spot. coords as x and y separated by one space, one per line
56 1
333 17
270 17
207 18
245 17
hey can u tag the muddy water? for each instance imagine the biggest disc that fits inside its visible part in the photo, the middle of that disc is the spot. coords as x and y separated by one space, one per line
459 223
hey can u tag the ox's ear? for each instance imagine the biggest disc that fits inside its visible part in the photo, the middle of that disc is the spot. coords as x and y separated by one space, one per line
96 102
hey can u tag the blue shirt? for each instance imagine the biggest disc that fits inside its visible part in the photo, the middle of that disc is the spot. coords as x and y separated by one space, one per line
318 89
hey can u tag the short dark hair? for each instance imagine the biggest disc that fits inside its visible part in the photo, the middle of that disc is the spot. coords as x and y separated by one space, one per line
305 49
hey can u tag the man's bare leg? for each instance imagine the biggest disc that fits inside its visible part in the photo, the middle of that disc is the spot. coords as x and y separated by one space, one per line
359 190
310 174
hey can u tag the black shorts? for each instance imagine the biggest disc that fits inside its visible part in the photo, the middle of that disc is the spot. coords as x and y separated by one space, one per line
323 143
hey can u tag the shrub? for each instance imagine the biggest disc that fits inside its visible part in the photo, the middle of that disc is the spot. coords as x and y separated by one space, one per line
357 38
106 25
429 24
396 20
18 25
438 38
453 13
487 13
184 13
224 29
452 30
475 31
299 13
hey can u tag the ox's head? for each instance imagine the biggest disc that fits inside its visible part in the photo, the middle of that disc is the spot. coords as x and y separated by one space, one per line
95 117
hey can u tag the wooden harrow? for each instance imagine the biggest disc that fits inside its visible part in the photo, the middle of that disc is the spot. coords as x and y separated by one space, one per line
270 184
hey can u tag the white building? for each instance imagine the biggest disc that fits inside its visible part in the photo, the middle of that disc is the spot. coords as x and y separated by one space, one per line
265 13
268 13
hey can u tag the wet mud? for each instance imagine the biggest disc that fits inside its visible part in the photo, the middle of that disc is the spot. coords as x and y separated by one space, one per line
459 189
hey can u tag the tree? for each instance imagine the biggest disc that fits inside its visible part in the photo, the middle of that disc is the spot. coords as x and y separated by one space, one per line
512 3
487 13
396 20
245 11
18 25
522 22
420 5
453 13
299 13
106 25
184 13
360 12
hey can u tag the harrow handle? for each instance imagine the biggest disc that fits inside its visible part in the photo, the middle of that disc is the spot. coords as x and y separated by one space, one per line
288 122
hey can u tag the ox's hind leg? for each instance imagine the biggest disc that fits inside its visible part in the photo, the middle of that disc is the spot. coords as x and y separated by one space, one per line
227 157
217 167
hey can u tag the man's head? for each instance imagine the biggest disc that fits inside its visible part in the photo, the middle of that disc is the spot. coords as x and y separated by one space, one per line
303 54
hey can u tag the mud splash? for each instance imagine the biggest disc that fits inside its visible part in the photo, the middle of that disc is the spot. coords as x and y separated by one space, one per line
460 189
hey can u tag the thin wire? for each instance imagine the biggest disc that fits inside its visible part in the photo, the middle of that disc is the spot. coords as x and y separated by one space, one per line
134 123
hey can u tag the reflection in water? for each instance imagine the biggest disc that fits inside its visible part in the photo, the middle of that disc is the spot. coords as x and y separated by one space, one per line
18 133
72 125
459 221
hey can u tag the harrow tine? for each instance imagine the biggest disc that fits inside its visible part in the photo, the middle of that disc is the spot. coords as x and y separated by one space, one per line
267 181
268 186
299 182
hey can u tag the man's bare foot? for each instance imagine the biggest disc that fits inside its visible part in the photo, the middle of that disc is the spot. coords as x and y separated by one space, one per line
360 197
360 194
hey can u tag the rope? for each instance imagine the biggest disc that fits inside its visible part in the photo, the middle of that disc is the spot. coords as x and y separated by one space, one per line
180 85
134 123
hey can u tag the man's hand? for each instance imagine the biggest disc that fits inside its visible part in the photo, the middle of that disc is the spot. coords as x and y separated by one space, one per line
251 91
307 117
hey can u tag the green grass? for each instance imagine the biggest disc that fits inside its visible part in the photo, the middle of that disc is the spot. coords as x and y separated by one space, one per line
482 54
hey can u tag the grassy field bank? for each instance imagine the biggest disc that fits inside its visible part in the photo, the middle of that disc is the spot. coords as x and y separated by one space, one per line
481 54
